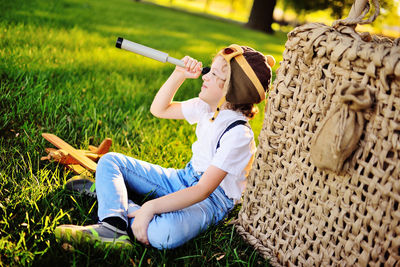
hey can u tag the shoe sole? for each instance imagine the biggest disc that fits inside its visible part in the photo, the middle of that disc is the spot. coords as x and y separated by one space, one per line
79 237
81 185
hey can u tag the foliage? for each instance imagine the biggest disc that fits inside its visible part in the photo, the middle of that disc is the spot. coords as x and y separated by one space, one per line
338 8
61 73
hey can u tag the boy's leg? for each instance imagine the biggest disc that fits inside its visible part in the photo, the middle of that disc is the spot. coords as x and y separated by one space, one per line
117 173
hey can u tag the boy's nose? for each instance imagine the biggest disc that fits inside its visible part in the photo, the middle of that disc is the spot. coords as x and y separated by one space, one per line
205 71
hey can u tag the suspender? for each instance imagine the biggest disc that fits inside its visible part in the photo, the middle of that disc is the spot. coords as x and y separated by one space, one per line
233 124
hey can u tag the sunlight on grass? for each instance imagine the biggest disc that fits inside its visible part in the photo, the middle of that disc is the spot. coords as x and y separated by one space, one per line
223 9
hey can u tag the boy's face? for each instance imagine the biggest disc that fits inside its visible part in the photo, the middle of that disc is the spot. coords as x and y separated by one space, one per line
213 82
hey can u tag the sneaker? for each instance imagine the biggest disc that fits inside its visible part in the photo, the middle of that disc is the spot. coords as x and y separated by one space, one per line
101 232
83 185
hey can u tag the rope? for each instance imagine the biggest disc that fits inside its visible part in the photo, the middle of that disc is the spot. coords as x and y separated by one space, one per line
358 11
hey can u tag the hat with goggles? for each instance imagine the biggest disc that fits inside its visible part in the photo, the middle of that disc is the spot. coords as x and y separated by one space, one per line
249 76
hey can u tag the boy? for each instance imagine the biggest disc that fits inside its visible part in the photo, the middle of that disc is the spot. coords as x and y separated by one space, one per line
189 200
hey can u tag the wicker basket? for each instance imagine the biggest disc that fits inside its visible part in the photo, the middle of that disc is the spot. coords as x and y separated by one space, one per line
296 213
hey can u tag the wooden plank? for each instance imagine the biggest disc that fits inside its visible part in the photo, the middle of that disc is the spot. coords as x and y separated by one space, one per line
78 169
76 154
104 147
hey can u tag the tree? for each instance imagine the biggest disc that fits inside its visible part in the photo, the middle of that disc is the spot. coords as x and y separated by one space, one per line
337 7
261 15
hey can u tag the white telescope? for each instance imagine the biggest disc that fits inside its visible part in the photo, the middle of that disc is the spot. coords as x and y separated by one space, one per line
151 53
147 52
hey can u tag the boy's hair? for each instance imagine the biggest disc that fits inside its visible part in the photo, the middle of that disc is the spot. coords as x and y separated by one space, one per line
248 110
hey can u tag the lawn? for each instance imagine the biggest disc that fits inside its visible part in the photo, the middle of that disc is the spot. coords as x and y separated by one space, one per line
61 73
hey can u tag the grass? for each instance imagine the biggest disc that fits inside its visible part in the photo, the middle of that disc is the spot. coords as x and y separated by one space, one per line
61 73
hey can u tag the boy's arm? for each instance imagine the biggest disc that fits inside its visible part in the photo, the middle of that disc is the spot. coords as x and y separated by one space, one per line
163 106
210 180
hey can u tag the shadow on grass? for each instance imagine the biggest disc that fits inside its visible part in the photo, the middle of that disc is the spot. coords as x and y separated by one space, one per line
36 244
218 246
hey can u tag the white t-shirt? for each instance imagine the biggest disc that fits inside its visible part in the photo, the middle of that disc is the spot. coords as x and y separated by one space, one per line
237 146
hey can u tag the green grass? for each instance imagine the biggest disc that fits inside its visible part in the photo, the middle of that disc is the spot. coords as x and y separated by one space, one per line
61 73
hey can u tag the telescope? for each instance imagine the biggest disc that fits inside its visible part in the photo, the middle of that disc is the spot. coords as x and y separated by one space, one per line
151 53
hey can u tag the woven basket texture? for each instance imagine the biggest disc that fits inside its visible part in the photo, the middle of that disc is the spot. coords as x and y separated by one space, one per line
297 214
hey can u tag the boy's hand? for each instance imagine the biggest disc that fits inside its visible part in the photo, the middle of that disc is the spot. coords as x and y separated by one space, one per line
142 216
192 68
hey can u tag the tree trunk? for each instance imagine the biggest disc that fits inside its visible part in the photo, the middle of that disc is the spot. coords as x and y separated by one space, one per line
261 15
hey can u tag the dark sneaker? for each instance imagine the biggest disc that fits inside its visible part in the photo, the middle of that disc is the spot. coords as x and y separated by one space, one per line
82 184
101 232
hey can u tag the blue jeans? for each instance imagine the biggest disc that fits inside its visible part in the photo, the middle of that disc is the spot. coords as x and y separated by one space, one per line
117 173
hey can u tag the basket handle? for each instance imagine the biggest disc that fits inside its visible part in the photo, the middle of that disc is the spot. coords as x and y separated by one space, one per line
357 12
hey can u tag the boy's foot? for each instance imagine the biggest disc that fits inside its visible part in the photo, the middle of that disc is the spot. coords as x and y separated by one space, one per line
82 184
101 232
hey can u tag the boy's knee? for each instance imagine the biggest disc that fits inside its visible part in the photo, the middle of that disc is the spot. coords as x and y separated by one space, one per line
107 162
108 158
